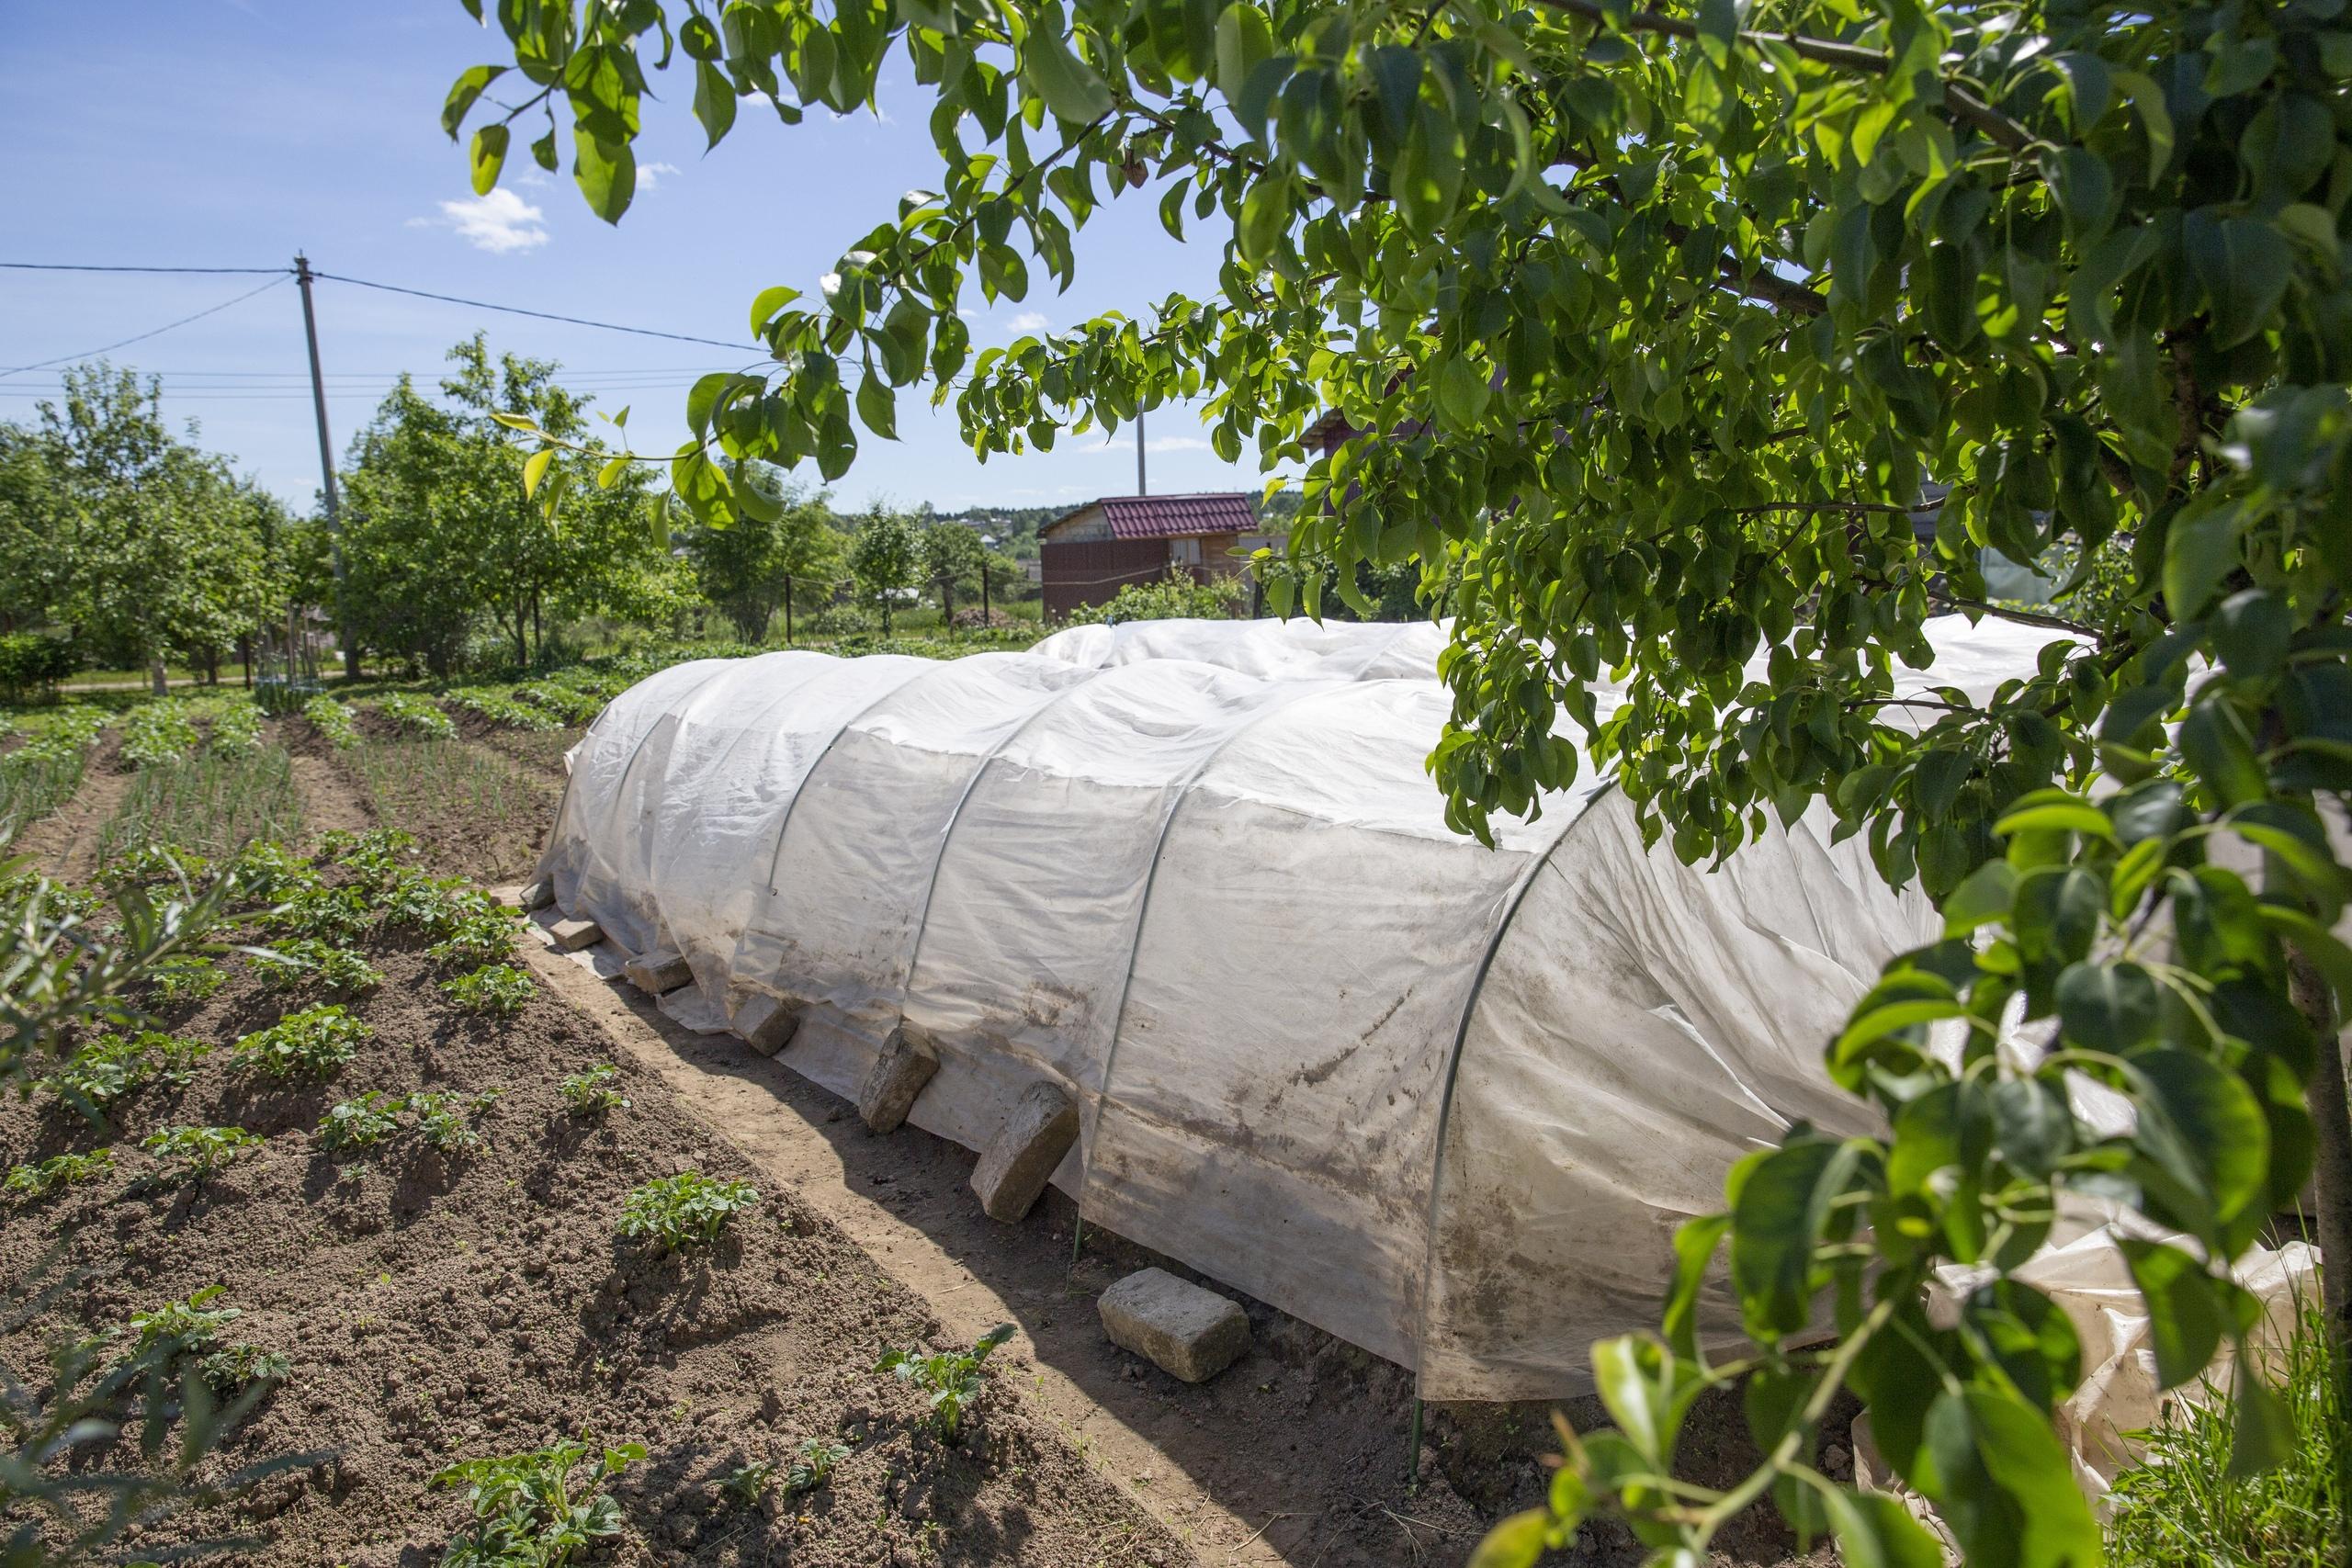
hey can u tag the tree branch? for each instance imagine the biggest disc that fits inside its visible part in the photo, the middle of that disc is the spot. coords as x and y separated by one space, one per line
1965 106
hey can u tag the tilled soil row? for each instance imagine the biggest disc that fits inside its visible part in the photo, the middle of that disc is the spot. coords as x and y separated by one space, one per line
439 1307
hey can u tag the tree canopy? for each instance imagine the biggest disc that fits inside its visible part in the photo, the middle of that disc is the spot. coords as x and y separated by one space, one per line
1703 351
446 520
746 567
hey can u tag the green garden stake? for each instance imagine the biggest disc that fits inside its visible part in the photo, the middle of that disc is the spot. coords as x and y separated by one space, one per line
1413 1447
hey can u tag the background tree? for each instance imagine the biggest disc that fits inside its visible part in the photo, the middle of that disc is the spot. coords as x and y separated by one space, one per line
952 557
886 557
1713 356
442 528
744 568
142 545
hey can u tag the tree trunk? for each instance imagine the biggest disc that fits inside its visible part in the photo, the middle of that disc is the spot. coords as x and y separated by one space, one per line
2331 1172
159 683
538 632
947 604
522 636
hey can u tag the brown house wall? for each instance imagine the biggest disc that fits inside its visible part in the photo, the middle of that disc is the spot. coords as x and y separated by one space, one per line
1091 571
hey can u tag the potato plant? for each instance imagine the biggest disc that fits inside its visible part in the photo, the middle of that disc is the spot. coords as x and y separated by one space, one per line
360 1123
158 732
317 1042
593 1093
477 936
332 720
500 989
307 961
416 716
198 1152
685 1209
188 1332
377 858
31 1181
445 1120
951 1378
528 1510
111 1067
813 1463
312 910
190 977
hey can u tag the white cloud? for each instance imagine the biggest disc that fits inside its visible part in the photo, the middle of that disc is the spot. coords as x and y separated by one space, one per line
651 176
499 222
1174 443
1029 321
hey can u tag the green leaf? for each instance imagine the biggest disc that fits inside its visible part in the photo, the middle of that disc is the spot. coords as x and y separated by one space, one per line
605 173
1067 84
1266 214
2264 1437
1986 895
1776 1218
2218 751
2243 266
1516 1542
543 151
1874 1530
878 406
2069 816
770 300
462 93
2205 1143
2001 1479
610 474
2108 1007
1243 43
535 469
2200 549
2186 1315
714 102
487 156
1695 1242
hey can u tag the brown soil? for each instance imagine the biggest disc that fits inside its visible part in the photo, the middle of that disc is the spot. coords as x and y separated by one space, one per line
439 1309
432 797
63 845
538 749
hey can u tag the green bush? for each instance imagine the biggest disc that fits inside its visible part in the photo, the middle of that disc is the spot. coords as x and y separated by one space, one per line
1173 597
31 665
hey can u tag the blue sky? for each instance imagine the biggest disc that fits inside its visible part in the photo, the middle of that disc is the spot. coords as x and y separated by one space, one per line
234 133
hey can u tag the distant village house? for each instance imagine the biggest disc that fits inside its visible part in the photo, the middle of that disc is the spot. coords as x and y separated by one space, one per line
1089 554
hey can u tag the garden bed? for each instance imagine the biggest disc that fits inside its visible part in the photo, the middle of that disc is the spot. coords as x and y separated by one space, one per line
435 1307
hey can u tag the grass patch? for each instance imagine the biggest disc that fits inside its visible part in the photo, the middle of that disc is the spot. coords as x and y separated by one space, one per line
214 803
2183 1509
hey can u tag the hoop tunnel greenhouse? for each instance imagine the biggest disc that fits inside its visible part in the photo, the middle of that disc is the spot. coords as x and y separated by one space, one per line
1447 1102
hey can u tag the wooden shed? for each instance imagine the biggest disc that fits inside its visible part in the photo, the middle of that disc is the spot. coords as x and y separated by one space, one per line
1090 553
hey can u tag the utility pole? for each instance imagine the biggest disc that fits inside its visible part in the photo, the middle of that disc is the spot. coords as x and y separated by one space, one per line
326 459
1140 489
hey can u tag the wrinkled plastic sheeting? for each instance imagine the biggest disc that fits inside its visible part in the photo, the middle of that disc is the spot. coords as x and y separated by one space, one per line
1444 1099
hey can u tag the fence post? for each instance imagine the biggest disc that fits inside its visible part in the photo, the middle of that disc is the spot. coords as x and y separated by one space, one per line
788 609
987 617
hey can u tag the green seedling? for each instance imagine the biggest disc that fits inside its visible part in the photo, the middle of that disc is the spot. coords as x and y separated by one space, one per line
684 1209
111 1067
199 1151
31 1181
191 1329
186 977
446 1121
594 1093
151 863
813 1464
951 1378
316 1043
528 1511
435 906
306 960
498 989
746 1482
360 1123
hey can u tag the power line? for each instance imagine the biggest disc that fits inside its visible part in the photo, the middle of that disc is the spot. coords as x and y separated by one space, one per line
142 337
75 266
542 315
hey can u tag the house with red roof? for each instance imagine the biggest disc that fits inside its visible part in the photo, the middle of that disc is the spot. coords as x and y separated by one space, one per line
1090 553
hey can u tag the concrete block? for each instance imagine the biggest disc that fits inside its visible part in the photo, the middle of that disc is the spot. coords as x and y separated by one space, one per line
1014 1168
1183 1330
571 936
530 896
897 1076
658 971
766 1023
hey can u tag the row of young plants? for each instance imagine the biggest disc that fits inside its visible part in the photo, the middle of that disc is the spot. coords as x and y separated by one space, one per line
303 926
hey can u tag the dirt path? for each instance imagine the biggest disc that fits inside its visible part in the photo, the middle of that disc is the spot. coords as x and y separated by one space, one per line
64 844
1295 1456
328 797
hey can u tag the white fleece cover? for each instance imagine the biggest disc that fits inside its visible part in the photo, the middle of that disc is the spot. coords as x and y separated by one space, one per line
1446 1102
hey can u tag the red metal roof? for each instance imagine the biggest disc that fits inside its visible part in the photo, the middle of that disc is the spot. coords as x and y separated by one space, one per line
1171 516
